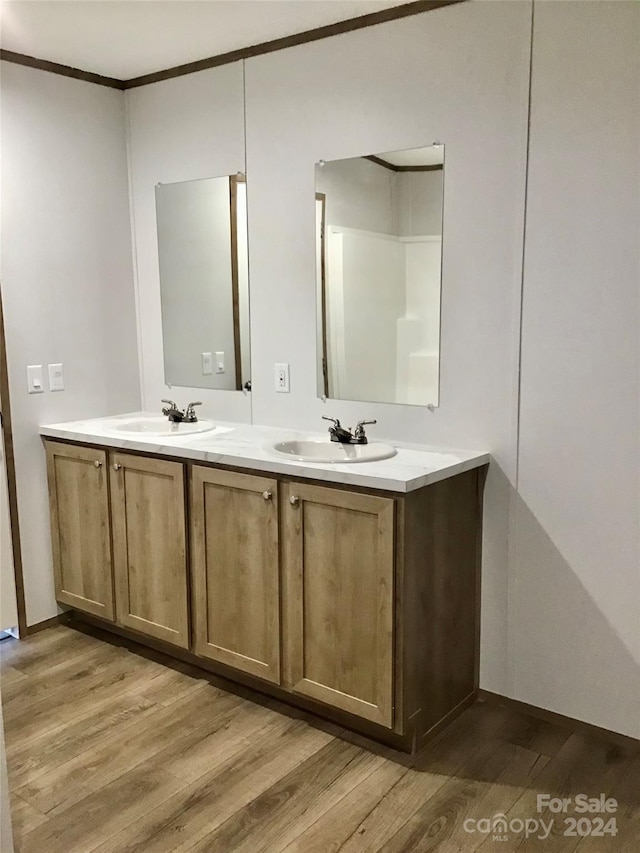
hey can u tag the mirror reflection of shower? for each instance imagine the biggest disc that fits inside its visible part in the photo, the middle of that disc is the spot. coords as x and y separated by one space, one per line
378 270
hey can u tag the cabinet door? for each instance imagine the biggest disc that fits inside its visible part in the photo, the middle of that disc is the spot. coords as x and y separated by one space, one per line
339 598
80 538
235 570
149 547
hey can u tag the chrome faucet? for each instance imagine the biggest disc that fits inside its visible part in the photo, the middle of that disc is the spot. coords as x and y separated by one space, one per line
172 412
177 416
190 415
345 436
359 434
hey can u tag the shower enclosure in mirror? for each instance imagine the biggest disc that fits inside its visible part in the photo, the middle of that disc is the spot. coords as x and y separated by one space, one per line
378 263
204 282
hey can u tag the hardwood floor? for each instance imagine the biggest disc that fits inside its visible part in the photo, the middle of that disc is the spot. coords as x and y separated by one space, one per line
111 751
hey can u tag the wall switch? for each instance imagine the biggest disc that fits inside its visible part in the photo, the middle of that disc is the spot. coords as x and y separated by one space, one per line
56 377
34 379
281 376
219 362
207 364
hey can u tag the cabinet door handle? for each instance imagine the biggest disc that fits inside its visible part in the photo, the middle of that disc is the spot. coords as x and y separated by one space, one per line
267 495
97 464
294 500
116 466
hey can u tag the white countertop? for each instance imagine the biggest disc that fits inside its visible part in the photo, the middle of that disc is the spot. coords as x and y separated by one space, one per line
246 446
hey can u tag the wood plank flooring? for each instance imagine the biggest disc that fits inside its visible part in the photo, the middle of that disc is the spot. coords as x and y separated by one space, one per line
111 751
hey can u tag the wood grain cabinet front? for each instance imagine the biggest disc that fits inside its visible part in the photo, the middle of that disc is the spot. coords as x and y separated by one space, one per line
149 546
235 564
339 599
80 534
362 606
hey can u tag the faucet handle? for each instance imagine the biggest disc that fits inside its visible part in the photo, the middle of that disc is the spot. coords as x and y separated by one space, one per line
170 409
190 414
359 430
334 421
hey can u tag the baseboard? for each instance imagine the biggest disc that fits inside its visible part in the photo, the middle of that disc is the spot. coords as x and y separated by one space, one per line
60 619
561 720
438 727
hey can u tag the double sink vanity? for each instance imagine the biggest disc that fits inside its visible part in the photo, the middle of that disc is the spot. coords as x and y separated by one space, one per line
345 585
336 572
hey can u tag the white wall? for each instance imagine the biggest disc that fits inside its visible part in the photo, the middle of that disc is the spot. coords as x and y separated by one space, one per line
420 208
576 573
66 278
402 85
180 130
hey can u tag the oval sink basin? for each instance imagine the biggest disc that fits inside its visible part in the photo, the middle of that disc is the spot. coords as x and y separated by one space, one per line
323 450
161 426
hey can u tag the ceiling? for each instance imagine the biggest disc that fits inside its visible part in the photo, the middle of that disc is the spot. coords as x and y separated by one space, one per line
129 38
433 155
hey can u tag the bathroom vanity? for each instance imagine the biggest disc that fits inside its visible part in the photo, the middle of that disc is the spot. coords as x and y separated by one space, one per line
351 590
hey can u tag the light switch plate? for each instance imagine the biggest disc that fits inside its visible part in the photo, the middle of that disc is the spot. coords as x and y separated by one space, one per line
34 379
207 364
219 362
56 377
281 377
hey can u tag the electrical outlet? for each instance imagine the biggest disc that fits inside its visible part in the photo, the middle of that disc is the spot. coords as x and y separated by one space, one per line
56 377
281 377
207 364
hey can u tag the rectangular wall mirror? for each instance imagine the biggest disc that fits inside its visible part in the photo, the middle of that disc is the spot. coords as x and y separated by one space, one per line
204 282
378 264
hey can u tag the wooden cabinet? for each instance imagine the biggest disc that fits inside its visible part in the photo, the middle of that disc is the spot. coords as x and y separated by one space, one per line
235 563
81 545
339 599
373 603
149 546
118 538
359 605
